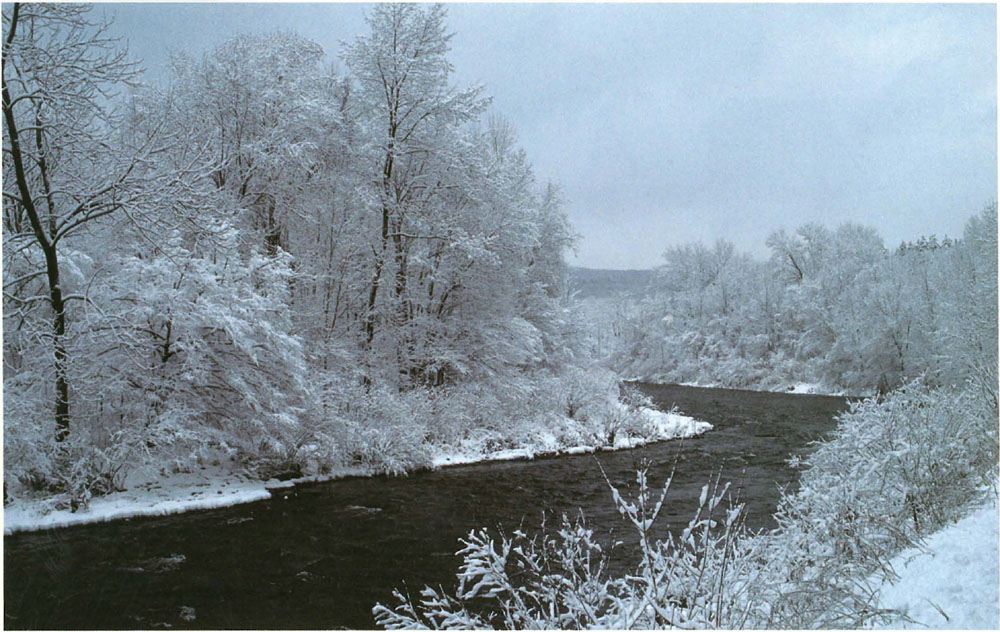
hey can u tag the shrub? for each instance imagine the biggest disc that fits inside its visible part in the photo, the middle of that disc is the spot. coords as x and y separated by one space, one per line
560 581
896 468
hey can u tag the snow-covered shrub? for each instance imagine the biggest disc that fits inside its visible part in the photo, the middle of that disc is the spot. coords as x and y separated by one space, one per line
703 579
379 429
27 450
93 462
500 410
90 468
390 449
897 468
537 410
633 398
583 393
591 397
902 460
455 410
548 582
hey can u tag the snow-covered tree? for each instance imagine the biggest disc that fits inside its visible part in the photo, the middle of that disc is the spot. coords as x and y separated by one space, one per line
410 118
830 305
266 109
67 170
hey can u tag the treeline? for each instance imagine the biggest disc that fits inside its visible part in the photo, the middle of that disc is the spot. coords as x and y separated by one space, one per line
266 256
834 307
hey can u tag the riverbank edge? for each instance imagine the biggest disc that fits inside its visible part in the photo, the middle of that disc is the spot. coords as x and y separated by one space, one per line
214 487
798 388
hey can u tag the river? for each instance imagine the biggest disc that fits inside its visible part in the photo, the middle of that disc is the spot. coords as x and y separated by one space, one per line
319 556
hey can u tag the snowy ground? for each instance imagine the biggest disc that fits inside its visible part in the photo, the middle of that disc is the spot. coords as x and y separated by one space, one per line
798 388
953 583
660 426
217 485
147 494
171 494
805 388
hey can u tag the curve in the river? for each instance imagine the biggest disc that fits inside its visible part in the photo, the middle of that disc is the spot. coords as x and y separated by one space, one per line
319 556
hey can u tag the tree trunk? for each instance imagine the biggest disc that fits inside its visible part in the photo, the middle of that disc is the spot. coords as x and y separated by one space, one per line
369 324
376 280
48 248
58 341
272 232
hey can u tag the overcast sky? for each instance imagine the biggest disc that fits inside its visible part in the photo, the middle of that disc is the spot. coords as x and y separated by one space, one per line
666 124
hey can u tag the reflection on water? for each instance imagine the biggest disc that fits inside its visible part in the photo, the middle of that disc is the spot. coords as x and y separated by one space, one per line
320 556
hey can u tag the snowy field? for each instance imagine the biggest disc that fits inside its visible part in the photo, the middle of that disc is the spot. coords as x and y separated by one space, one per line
214 486
951 583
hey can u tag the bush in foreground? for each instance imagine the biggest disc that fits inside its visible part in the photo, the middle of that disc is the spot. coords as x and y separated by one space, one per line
560 581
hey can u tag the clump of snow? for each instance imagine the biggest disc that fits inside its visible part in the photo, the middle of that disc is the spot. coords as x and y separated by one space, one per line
952 581
805 388
661 426
816 388
673 425
187 614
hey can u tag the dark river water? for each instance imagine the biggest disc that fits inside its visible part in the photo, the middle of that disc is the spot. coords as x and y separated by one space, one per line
321 555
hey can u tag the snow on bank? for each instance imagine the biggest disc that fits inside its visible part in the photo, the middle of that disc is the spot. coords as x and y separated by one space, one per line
805 388
797 388
658 426
661 426
215 486
210 488
953 583
152 493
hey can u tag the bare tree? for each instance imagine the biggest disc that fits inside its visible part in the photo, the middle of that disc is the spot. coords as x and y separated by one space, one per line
61 147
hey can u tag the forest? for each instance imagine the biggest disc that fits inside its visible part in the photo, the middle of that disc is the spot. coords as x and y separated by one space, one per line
834 308
289 262
296 266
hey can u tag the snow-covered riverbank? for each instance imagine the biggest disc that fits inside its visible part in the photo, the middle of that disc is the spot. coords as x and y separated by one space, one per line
660 426
951 582
217 485
792 388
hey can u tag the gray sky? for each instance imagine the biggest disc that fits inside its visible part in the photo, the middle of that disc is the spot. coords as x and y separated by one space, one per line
667 124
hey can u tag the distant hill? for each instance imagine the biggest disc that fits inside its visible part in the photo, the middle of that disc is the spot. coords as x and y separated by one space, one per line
593 283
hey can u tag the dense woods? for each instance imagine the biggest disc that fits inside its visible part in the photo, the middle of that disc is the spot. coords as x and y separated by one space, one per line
265 256
829 306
